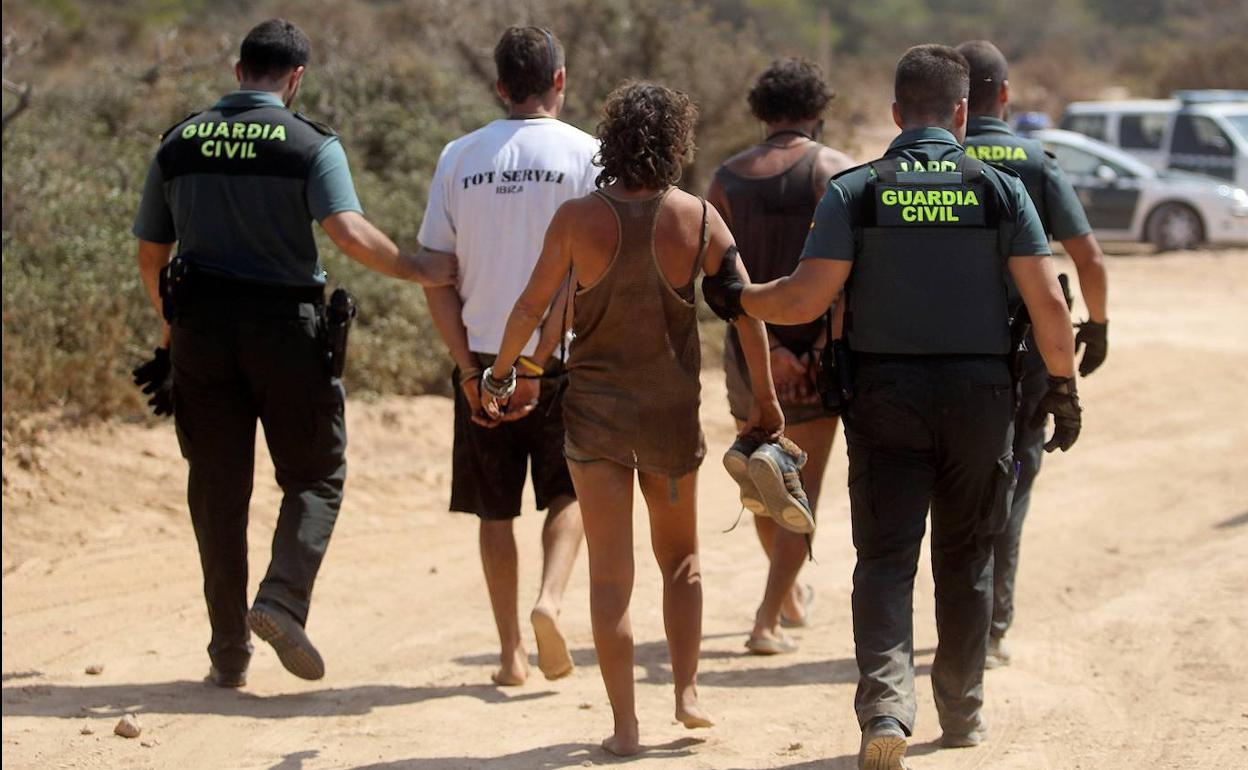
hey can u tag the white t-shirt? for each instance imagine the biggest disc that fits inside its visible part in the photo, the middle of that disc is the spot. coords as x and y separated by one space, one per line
492 197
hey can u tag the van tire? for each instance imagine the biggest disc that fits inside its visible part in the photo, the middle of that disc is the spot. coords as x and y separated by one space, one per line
1174 227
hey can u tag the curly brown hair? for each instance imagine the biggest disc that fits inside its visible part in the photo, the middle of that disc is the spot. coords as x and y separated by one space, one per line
647 136
790 90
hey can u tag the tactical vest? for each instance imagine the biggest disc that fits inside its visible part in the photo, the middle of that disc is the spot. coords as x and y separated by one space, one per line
929 273
1025 157
236 180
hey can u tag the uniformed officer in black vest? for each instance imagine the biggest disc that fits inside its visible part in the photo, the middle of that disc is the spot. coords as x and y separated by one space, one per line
922 241
237 188
989 138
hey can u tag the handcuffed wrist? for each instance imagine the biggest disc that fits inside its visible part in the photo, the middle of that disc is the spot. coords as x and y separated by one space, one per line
497 388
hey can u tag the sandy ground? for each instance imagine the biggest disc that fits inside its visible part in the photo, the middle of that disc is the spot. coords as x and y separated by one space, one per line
1129 643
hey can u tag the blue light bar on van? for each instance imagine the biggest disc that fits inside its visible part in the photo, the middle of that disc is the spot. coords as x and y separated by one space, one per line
1210 96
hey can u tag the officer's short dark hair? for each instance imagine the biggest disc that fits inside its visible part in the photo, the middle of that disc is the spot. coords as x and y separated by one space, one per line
272 49
930 81
527 59
790 89
988 71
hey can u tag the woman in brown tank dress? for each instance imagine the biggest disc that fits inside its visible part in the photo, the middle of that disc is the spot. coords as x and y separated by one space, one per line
767 195
631 406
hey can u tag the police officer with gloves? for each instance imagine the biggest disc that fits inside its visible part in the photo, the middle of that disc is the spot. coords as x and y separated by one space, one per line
922 240
248 336
990 139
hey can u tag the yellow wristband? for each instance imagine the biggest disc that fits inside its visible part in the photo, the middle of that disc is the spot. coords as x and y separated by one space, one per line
528 363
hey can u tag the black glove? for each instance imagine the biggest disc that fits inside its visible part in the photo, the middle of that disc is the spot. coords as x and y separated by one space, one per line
723 290
155 377
1095 337
1062 402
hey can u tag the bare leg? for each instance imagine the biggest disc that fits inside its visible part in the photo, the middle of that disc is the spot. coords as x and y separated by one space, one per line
788 549
561 539
605 491
674 538
498 558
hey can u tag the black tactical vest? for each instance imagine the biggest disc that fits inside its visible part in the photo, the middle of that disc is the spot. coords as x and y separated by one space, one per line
236 180
1025 157
928 275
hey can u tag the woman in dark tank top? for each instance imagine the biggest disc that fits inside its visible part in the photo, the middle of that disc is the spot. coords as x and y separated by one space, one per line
768 195
631 405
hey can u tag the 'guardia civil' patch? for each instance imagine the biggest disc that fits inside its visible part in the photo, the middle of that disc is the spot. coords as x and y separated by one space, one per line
907 205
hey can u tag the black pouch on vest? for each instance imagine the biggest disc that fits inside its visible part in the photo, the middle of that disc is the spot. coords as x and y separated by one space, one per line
339 315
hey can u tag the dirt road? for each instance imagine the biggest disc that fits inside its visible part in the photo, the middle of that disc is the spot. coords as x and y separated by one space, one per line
1130 639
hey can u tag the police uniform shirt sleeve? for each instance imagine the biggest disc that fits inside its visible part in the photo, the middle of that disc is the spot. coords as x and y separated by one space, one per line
330 188
437 229
1027 238
154 222
1066 214
831 233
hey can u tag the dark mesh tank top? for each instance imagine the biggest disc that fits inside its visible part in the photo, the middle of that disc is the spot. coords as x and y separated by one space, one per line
771 216
633 369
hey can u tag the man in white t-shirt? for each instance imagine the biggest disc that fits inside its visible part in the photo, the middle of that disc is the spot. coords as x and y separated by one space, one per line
492 196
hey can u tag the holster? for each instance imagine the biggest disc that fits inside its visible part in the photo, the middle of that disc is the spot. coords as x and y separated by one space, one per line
176 280
339 315
1020 328
835 378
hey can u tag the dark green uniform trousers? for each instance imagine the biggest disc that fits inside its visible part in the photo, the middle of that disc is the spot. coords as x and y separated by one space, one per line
236 361
926 431
1028 453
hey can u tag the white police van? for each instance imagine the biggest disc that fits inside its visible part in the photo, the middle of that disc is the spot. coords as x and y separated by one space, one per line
1203 132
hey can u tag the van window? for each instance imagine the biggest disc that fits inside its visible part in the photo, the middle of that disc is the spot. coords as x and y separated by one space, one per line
1198 135
1077 162
1088 125
1142 132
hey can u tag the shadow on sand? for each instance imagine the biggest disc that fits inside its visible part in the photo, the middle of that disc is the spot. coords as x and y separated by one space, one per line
544 758
652 657
189 697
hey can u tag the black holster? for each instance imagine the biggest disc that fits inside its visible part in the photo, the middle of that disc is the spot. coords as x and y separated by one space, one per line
835 378
339 315
176 281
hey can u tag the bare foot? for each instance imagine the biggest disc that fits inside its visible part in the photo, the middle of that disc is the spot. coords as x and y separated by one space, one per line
514 669
625 742
552 649
689 712
793 609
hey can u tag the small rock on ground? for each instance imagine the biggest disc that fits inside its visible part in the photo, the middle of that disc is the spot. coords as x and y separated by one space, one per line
128 727
95 669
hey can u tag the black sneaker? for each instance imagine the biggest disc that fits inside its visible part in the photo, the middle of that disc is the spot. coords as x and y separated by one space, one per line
775 468
737 463
219 678
883 745
294 648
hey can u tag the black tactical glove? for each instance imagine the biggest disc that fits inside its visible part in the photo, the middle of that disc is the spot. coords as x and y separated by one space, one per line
155 377
723 290
1095 337
1062 402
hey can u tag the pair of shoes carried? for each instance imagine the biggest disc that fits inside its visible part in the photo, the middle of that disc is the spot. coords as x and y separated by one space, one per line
998 653
294 648
769 475
883 745
808 599
221 678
